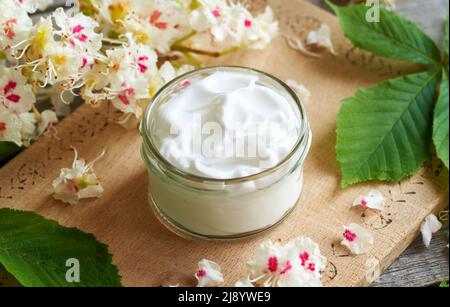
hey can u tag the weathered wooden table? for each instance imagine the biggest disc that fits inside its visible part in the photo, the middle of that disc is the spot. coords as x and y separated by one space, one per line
419 266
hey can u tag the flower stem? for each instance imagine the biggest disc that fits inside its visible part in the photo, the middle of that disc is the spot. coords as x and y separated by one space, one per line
183 49
184 38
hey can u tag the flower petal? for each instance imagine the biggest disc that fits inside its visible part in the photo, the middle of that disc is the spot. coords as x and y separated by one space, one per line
208 274
357 239
373 200
429 227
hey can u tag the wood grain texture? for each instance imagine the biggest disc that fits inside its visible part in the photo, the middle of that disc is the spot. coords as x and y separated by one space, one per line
149 255
430 16
419 266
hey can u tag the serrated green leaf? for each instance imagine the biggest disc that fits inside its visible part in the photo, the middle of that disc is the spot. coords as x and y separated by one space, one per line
8 150
35 250
384 132
392 37
440 123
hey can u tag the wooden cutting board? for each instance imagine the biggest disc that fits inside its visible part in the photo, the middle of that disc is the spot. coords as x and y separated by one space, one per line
149 255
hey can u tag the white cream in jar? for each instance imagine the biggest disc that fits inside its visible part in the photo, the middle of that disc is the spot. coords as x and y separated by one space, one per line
225 148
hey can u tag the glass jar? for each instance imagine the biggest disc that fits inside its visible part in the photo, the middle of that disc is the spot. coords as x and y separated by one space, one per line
211 208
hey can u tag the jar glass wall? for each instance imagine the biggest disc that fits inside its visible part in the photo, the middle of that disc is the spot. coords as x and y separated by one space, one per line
213 208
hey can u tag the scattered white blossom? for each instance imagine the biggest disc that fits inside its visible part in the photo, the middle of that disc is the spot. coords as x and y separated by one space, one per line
77 182
429 227
373 200
296 44
302 92
321 38
357 239
208 274
298 263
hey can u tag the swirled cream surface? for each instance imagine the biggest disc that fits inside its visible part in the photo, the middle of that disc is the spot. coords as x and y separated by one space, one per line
225 126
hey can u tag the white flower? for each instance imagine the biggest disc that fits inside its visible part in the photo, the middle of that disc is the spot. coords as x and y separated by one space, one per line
373 200
296 264
265 29
15 24
231 25
78 31
208 274
16 94
429 227
77 182
302 92
63 53
47 119
10 128
321 38
357 239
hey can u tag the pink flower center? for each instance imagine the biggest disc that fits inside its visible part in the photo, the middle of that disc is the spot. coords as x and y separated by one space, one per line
363 203
8 28
125 95
71 186
77 29
272 264
286 268
142 67
216 13
13 98
304 257
85 61
248 23
10 86
2 126
186 83
82 38
312 267
154 20
201 273
349 235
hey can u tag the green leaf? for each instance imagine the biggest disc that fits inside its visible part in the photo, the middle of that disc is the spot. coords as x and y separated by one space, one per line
393 36
384 132
35 250
440 123
8 150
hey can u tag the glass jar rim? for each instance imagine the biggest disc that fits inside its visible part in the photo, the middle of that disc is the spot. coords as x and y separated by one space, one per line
303 137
